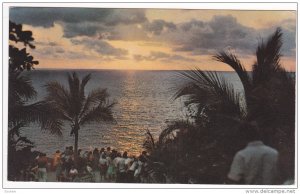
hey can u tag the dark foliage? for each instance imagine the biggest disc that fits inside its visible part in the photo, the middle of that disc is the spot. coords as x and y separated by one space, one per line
20 112
20 91
202 149
19 59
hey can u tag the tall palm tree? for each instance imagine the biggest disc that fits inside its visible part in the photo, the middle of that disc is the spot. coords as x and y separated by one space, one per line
72 105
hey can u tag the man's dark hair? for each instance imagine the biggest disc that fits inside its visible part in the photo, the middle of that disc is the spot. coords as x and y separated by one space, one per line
250 131
125 154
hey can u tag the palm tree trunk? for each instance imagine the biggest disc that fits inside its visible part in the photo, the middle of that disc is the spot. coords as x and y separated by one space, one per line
76 130
76 146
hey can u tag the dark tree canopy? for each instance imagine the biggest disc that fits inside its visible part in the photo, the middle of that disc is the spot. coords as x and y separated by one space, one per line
19 59
20 91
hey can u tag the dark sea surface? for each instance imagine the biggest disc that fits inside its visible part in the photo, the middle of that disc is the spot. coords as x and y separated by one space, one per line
144 101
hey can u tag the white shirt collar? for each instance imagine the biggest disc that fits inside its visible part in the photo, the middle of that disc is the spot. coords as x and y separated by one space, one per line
255 143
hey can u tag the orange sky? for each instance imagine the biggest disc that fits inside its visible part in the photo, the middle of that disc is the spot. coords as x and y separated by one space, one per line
153 43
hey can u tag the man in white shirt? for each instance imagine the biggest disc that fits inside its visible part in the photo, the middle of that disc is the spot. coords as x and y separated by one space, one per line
257 163
131 170
73 173
116 160
122 169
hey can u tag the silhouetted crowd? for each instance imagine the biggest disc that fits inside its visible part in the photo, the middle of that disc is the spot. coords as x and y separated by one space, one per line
104 165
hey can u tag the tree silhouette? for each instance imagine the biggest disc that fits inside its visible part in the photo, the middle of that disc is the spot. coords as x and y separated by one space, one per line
75 107
20 91
19 59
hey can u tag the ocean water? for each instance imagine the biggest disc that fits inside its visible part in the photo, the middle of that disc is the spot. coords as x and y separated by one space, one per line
144 101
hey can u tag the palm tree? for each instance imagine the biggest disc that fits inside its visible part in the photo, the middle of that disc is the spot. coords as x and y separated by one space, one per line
73 106
270 91
268 98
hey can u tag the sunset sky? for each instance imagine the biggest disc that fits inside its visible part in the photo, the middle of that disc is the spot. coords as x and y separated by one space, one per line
97 38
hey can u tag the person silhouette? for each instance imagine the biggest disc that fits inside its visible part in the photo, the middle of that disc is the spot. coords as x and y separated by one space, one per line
256 164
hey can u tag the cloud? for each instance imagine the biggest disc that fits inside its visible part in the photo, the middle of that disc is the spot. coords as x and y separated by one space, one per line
154 55
77 21
222 33
46 51
83 29
101 47
115 24
180 58
125 16
45 17
289 43
77 55
124 29
45 43
289 36
139 31
127 33
158 26
58 52
39 16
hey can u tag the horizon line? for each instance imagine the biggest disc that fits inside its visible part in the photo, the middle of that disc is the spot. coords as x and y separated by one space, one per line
93 69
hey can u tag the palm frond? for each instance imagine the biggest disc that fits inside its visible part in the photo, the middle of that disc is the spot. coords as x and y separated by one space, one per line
75 94
84 81
24 140
171 128
15 140
149 143
93 99
196 94
268 58
50 119
82 97
59 97
210 88
235 63
40 112
103 112
15 130
54 126
20 87
74 84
